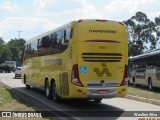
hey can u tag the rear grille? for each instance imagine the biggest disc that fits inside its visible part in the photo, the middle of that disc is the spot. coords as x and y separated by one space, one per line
105 83
101 57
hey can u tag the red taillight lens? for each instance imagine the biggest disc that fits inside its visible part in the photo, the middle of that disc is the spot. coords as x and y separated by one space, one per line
75 76
124 81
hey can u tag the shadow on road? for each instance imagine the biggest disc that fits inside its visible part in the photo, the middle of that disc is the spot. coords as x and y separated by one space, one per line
67 107
73 107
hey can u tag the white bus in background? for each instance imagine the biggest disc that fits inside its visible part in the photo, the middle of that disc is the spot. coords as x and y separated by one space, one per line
144 69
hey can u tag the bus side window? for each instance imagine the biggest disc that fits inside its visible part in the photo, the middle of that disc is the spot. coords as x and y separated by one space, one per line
147 62
53 39
71 33
158 61
43 46
67 33
45 41
29 50
23 54
56 42
34 48
52 42
64 35
39 43
144 62
133 65
153 61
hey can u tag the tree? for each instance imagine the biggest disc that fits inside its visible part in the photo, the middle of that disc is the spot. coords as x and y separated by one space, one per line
141 34
5 53
1 40
16 46
157 23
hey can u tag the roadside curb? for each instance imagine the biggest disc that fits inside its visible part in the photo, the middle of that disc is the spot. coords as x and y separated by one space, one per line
131 97
142 99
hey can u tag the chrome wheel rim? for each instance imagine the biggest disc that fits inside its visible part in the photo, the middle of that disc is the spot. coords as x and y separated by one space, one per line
47 90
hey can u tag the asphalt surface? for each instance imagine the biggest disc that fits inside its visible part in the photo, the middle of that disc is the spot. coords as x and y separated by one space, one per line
120 108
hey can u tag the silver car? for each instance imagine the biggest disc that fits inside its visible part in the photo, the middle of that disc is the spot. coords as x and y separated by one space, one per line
18 72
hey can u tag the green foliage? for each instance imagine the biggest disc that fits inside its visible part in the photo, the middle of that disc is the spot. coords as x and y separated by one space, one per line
11 50
16 46
157 22
5 53
5 96
1 41
17 42
141 33
142 92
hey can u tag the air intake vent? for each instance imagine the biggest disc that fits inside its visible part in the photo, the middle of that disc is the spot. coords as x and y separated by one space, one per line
101 57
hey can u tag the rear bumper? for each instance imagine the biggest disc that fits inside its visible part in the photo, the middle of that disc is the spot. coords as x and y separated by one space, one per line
93 93
17 75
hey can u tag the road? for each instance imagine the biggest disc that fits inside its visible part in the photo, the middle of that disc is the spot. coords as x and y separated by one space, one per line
86 110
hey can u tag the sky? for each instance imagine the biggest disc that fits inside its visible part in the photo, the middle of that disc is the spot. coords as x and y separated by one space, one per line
29 18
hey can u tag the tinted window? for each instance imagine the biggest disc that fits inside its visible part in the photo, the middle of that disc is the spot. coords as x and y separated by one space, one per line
28 52
18 68
56 42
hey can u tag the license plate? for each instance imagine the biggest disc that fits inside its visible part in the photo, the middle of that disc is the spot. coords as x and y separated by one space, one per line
102 91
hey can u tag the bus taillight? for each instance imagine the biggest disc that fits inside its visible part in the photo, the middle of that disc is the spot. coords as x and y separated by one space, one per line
124 81
75 76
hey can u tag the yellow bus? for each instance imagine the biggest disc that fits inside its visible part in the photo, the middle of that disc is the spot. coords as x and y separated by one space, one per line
85 59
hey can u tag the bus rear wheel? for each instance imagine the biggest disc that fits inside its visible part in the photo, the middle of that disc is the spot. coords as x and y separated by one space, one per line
27 86
47 89
54 94
150 87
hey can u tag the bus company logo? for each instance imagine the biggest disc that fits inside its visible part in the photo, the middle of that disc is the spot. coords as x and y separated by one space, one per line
102 31
104 71
53 62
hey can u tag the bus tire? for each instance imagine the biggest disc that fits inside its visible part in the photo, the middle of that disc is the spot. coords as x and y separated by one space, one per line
27 86
54 94
98 100
134 81
129 82
47 89
150 87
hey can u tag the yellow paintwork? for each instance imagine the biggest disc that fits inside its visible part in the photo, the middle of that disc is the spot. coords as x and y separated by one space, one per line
37 71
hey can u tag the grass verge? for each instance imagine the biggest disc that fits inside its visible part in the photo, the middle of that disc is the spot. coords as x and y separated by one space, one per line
142 91
9 101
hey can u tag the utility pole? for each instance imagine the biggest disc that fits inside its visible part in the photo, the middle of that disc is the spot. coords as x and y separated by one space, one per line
19 32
